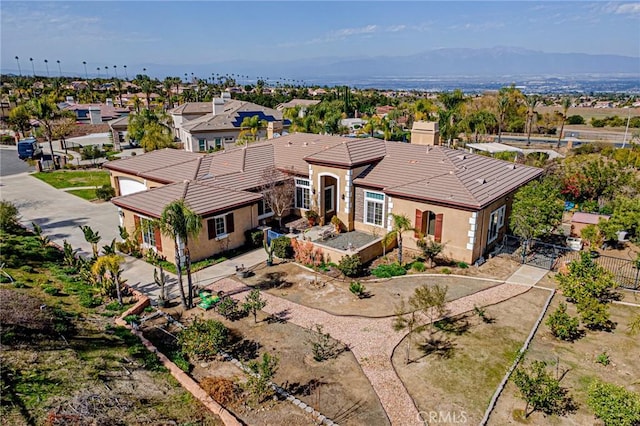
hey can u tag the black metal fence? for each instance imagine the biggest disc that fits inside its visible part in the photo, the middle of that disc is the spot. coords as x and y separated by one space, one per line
552 256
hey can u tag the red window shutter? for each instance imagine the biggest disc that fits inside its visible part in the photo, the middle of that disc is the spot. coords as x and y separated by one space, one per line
211 228
138 230
158 238
438 233
230 225
418 225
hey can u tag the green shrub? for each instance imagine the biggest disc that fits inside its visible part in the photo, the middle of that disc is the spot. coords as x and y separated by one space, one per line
350 265
89 301
130 319
51 290
203 338
254 237
603 359
282 247
446 271
9 216
418 266
463 265
105 192
113 306
4 279
17 284
228 308
357 288
388 271
178 358
28 269
613 404
562 325
575 119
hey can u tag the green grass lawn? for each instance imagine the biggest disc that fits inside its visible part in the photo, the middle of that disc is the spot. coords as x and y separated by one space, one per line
87 194
74 178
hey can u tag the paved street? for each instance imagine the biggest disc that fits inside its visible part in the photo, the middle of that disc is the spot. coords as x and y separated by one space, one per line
10 164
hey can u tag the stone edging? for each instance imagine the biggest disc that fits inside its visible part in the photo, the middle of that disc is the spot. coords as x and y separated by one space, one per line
183 378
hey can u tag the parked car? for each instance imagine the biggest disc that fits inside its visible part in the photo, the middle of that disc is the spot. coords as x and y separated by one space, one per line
29 148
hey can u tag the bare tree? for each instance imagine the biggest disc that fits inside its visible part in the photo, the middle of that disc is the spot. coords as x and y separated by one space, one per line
278 190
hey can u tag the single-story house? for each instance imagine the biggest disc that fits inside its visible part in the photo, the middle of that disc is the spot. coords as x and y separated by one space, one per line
581 220
205 126
454 197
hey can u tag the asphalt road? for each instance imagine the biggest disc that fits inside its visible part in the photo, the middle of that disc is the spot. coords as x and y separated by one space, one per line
10 164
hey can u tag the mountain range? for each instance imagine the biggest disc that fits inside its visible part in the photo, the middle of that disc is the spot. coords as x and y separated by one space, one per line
486 62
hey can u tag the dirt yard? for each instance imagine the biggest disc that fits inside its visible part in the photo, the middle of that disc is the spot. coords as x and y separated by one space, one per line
459 371
330 294
336 388
579 358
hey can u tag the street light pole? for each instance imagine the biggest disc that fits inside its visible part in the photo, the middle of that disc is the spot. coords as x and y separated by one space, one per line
33 68
46 64
86 74
59 69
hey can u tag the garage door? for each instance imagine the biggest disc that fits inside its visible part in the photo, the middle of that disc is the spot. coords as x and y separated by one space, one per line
130 186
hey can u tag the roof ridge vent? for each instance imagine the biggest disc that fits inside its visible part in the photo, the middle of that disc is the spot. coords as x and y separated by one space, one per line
481 181
289 143
461 157
305 143
511 166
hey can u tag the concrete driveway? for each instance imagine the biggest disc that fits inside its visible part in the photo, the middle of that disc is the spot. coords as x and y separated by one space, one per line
59 213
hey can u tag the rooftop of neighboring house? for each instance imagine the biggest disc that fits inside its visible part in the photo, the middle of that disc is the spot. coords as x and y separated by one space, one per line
107 112
120 123
297 102
231 117
430 173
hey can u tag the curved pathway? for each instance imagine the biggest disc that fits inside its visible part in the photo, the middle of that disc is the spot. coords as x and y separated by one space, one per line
371 340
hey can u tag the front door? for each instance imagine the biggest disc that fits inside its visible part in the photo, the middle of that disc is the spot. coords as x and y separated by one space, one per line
329 200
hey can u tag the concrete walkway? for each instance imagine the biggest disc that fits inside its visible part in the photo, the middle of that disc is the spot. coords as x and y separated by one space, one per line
373 340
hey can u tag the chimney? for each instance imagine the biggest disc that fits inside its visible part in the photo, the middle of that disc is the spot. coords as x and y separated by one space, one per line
274 129
425 133
95 116
218 106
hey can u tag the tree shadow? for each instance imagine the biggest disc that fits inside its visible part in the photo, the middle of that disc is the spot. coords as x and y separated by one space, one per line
443 348
300 389
453 326
347 412
246 349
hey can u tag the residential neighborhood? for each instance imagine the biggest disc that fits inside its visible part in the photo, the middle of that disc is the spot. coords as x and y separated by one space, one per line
319 214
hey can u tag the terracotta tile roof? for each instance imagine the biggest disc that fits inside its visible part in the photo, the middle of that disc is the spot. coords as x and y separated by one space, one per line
445 175
165 165
295 102
202 199
193 108
231 117
350 152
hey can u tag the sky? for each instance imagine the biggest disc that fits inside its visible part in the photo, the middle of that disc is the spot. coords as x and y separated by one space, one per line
140 34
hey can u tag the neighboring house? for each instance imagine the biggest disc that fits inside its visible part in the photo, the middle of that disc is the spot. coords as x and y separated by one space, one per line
581 220
94 113
302 103
119 131
205 126
460 199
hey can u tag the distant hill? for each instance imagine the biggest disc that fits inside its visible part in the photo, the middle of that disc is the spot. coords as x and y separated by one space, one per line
496 61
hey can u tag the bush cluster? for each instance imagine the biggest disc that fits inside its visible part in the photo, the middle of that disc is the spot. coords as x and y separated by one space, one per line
388 271
350 265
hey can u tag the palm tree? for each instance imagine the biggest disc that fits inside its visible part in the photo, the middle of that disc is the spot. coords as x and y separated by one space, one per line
59 68
449 113
46 64
400 224
19 69
566 104
126 76
252 125
179 223
503 104
531 102
92 237
33 68
106 270
86 74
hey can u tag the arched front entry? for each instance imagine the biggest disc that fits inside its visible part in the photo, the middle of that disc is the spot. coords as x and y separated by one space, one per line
328 196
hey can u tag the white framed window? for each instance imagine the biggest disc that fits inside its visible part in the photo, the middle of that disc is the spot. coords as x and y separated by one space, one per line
303 193
219 227
218 143
264 209
374 208
202 145
148 232
228 139
496 222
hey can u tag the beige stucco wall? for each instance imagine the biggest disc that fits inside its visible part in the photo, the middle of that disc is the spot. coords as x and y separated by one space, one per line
244 218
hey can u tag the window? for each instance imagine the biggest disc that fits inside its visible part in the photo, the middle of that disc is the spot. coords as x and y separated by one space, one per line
219 227
303 198
496 222
373 208
328 199
228 139
202 144
428 223
148 232
218 143
264 209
